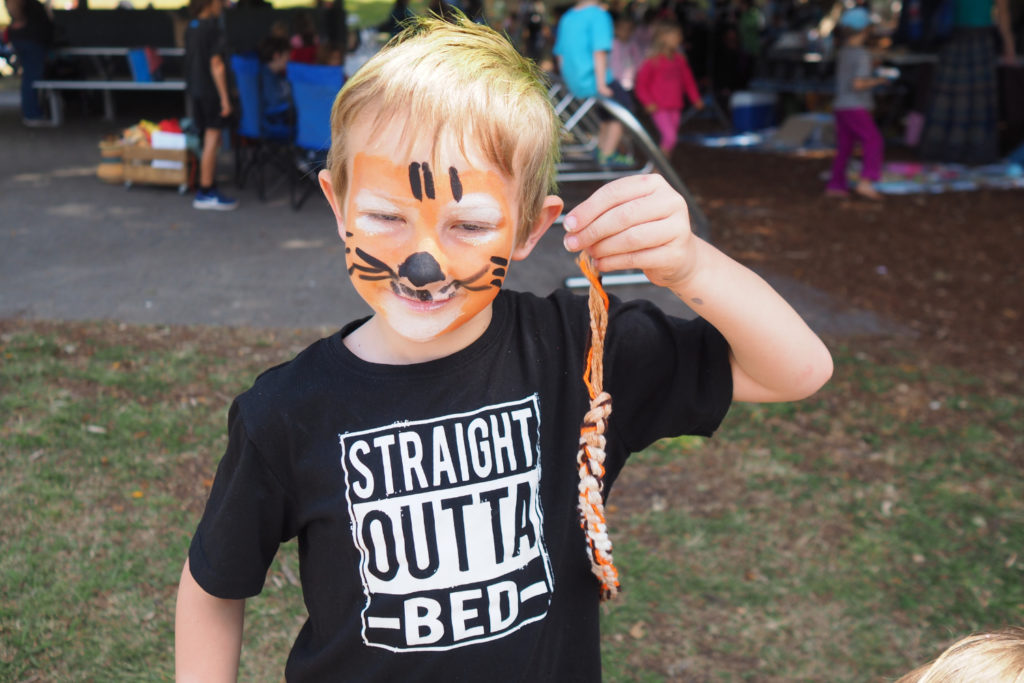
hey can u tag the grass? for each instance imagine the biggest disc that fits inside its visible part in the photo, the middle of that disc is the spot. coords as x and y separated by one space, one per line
843 538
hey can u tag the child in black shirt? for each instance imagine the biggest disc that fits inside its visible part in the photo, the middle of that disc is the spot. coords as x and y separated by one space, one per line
424 456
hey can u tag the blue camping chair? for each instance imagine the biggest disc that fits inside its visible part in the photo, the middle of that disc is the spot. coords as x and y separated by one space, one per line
138 62
314 88
264 140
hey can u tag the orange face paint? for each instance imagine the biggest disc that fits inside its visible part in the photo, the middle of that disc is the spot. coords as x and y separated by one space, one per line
427 249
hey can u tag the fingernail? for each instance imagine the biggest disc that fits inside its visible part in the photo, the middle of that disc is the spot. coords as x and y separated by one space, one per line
569 223
571 243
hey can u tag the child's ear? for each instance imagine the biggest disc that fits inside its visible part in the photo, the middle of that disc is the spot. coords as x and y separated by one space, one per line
550 210
327 186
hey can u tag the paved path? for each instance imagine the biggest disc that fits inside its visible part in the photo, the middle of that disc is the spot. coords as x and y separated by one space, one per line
72 248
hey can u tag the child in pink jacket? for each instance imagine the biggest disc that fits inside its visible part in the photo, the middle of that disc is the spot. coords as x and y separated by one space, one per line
665 82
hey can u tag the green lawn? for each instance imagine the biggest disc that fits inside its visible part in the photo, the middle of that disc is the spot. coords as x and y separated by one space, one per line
844 538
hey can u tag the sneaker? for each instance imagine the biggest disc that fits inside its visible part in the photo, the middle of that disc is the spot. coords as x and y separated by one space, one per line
616 161
214 201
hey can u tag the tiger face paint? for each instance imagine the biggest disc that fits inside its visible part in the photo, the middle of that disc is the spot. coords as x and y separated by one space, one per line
427 248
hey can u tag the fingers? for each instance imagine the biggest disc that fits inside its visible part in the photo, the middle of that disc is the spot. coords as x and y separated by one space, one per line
626 205
638 238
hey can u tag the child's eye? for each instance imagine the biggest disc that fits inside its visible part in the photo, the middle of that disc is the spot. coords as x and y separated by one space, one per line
385 217
474 227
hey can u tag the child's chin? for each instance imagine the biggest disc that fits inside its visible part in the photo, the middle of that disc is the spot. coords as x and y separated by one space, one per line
421 322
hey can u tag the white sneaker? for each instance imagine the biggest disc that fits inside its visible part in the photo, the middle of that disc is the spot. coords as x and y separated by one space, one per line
213 201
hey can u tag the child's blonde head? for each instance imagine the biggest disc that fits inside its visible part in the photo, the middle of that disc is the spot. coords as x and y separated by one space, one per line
458 81
996 657
666 37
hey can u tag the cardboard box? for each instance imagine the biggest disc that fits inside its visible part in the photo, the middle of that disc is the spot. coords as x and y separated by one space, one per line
139 167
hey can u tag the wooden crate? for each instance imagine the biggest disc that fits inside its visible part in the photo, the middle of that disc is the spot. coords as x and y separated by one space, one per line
138 166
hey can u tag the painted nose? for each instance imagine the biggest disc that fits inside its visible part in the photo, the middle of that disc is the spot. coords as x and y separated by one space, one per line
421 269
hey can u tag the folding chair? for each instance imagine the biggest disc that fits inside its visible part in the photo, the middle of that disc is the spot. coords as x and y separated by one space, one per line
314 88
262 143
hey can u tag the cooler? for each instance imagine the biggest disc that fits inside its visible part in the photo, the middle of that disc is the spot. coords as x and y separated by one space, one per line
752 110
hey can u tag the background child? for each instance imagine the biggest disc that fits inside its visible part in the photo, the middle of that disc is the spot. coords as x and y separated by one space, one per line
304 40
854 108
424 456
665 82
275 90
996 657
206 81
30 33
626 54
583 45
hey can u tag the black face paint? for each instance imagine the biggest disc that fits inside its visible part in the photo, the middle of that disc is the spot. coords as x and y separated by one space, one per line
378 269
414 181
428 181
453 176
499 272
427 185
421 269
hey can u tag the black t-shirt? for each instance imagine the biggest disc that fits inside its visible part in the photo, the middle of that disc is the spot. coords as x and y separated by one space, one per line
203 39
435 503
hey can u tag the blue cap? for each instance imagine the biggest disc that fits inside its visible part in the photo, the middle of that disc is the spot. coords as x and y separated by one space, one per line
856 18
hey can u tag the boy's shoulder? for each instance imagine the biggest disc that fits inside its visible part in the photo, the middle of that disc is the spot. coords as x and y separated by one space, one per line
292 383
587 12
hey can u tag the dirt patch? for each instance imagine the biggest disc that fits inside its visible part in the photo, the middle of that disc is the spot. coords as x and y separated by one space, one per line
947 266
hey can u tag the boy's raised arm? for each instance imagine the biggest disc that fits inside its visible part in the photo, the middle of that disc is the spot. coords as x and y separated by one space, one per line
207 634
641 222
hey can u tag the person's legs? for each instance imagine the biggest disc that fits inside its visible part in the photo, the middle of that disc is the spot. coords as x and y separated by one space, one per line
208 159
609 134
207 197
32 57
844 147
861 126
667 123
872 145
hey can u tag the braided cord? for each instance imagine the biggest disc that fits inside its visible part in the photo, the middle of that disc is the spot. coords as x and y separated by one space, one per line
590 457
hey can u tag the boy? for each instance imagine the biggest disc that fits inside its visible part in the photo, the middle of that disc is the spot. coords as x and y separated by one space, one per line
424 456
206 81
583 45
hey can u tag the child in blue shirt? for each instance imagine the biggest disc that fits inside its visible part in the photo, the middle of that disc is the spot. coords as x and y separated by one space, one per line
583 47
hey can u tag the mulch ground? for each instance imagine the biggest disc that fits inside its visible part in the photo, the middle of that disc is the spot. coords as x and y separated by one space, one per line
947 266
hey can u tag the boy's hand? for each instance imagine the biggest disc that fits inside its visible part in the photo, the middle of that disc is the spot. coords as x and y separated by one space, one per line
635 222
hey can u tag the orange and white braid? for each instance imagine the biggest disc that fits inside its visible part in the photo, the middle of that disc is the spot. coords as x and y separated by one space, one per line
590 457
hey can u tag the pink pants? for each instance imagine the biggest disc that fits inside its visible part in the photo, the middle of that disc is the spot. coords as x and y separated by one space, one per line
667 123
853 125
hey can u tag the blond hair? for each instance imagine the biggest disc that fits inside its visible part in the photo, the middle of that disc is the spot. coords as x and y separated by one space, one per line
660 28
442 78
996 657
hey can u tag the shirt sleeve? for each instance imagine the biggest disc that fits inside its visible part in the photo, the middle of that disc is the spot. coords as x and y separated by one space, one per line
604 32
246 519
214 42
666 376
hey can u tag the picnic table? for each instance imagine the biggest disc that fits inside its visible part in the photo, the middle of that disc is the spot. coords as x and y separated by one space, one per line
107 63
